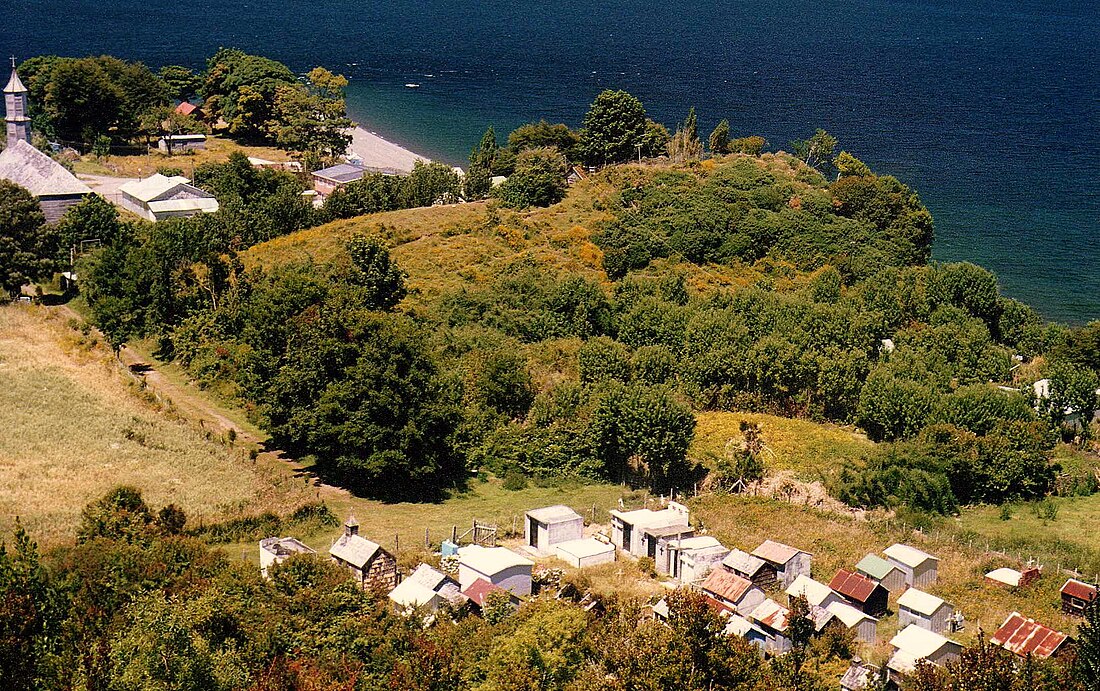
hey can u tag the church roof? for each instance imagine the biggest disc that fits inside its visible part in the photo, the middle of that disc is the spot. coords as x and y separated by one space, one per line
15 85
42 176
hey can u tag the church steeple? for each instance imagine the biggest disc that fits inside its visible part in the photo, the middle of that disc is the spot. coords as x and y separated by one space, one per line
15 108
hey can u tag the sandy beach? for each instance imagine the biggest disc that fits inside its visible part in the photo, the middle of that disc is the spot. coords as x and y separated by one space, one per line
376 152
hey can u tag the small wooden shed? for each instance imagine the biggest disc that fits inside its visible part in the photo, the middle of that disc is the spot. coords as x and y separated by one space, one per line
498 565
914 644
878 569
861 592
544 528
372 566
760 572
816 594
924 610
789 563
1076 595
733 591
862 624
920 568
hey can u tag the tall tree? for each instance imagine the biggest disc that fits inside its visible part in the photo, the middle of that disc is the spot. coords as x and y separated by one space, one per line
685 144
816 150
614 129
482 159
720 138
27 244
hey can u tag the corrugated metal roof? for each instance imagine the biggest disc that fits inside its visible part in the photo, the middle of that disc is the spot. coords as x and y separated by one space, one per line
875 566
479 589
341 172
775 552
726 585
1079 589
814 592
743 563
920 601
354 549
491 560
771 614
852 585
918 642
554 514
1024 636
36 172
910 556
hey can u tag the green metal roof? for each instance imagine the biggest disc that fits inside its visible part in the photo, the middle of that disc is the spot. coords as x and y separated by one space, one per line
875 567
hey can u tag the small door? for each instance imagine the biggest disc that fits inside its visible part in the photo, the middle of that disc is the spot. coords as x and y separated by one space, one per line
651 550
534 531
627 529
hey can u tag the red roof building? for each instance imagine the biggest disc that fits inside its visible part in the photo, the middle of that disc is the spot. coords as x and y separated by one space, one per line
1023 637
186 108
730 589
1076 596
864 594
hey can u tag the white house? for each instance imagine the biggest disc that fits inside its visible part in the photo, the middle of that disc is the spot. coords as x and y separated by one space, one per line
585 552
924 610
864 625
914 644
498 565
885 573
789 563
816 594
691 559
544 528
159 197
634 531
276 550
919 567
425 587
732 591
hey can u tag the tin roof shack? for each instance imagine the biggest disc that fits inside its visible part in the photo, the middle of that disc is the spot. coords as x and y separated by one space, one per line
859 676
585 552
158 197
1076 596
760 572
772 618
481 589
817 594
919 567
1013 578
498 565
372 566
627 527
425 587
1022 636
175 143
276 550
878 569
735 592
861 592
692 559
544 528
924 610
740 627
864 625
328 180
789 563
913 644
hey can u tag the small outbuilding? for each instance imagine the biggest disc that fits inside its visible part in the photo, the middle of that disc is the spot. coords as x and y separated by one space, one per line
1023 636
914 644
498 565
816 594
925 610
860 675
878 569
789 563
629 528
276 550
159 197
328 180
372 566
861 592
481 589
585 552
772 618
428 588
544 528
177 143
735 592
1076 596
760 572
919 567
1012 578
738 626
692 559
862 624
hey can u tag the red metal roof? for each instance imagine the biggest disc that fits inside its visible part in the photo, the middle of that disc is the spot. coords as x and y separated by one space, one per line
479 589
720 608
1079 590
1022 636
853 585
186 108
726 585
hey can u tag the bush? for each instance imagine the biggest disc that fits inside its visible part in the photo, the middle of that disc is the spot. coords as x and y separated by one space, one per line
515 481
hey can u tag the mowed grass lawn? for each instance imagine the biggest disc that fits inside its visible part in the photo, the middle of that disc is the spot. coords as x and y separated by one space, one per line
807 448
839 541
74 427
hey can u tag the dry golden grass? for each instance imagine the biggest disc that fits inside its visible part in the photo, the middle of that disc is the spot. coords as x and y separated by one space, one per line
807 448
217 151
74 427
839 541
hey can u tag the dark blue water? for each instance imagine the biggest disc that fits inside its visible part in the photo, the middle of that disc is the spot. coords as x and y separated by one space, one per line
990 108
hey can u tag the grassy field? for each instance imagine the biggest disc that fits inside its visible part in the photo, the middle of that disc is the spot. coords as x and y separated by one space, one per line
807 448
217 151
838 541
75 426
1069 536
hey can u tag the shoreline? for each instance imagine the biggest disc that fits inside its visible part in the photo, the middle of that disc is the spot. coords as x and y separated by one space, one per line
375 151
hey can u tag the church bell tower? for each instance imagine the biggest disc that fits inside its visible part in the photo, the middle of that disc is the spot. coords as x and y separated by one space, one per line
15 109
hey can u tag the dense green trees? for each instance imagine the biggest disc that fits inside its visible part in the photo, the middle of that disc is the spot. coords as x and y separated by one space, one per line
616 129
538 180
27 245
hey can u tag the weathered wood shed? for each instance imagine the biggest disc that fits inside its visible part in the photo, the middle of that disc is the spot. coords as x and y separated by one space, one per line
760 572
914 644
372 566
924 610
864 625
919 567
732 590
861 592
878 569
1076 595
789 562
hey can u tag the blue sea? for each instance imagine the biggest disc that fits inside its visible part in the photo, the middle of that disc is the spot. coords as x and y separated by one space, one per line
990 108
